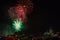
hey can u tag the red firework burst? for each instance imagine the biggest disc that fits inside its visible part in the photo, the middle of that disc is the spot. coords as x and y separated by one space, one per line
20 10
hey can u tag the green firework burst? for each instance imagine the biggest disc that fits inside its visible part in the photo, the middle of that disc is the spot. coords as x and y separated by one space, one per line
17 25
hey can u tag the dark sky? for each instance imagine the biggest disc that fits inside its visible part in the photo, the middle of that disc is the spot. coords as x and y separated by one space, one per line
41 19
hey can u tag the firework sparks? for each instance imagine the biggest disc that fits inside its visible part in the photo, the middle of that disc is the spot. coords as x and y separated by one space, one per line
21 10
17 25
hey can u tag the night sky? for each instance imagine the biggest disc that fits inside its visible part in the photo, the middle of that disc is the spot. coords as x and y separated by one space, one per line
41 19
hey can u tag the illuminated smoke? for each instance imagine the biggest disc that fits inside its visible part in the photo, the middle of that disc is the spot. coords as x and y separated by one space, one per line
20 10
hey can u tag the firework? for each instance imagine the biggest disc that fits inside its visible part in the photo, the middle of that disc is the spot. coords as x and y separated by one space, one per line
17 25
20 10
18 13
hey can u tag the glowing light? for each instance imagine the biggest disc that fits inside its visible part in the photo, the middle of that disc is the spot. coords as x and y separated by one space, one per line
17 24
20 10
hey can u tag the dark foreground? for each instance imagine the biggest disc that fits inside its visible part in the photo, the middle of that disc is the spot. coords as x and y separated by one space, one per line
51 36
